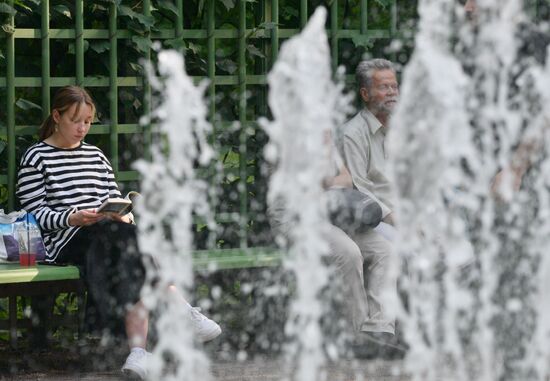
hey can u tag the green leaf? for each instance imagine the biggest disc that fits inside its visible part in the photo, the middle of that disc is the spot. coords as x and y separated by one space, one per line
136 67
196 49
137 28
63 10
362 41
127 11
254 51
72 47
169 6
136 103
227 65
229 4
99 7
2 54
175 43
6 8
268 25
20 3
201 227
8 28
100 46
289 12
231 160
3 145
201 6
26 105
260 29
143 44
384 3
147 21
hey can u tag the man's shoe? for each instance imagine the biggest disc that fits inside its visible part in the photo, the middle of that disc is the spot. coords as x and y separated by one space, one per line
382 345
383 338
390 348
135 366
205 329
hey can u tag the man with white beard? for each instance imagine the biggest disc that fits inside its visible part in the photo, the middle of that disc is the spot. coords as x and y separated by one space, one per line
363 146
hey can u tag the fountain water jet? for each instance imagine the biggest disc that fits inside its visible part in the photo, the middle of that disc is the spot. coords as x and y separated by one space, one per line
306 104
461 117
172 195
468 112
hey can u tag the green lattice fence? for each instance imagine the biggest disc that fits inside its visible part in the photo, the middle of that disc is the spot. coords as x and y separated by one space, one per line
98 44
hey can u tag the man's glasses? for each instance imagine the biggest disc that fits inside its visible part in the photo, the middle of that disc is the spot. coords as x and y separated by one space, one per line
386 88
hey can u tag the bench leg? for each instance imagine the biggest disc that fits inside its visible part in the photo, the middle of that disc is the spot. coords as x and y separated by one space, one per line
12 308
42 310
81 300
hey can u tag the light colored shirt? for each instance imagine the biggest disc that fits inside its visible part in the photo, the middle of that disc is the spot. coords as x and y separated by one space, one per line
362 145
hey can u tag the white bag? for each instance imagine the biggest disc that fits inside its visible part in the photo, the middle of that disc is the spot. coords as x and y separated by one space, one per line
20 234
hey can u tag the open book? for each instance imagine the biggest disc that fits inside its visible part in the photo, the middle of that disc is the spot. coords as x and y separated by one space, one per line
120 206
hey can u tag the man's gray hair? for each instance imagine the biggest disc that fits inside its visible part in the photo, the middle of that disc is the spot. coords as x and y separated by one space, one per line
365 71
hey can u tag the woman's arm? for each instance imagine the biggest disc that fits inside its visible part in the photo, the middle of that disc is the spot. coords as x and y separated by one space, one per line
115 192
32 194
31 191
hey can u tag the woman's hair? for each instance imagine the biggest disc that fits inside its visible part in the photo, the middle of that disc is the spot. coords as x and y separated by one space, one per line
62 101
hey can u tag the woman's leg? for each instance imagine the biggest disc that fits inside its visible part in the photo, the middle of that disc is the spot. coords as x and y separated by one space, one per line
113 269
137 325
205 329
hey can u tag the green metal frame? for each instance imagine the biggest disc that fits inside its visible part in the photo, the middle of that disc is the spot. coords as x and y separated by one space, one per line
268 39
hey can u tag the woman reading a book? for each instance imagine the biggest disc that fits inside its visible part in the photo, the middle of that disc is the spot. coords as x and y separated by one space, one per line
62 180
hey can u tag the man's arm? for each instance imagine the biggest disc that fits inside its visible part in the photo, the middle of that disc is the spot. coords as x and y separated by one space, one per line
356 156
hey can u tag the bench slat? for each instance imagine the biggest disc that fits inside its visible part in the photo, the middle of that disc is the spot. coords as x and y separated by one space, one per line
221 259
14 273
224 259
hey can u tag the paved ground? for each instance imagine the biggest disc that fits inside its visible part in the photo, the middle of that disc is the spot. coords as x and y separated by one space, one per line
83 362
257 370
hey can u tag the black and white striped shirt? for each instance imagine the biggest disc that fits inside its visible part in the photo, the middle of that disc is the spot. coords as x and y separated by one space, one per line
53 182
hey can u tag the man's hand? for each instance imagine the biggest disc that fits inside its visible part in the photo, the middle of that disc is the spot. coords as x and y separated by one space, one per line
389 219
506 183
85 217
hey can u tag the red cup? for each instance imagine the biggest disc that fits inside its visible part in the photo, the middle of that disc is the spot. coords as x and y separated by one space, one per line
27 259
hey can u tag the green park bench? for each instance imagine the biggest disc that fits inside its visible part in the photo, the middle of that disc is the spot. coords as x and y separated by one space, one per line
44 282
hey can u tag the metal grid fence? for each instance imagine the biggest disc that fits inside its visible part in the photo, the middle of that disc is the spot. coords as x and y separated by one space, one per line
353 29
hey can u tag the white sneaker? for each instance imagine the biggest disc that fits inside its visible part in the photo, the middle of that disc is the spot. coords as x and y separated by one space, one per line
136 364
205 329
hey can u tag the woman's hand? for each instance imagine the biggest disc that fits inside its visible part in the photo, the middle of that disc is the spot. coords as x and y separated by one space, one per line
85 217
117 217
